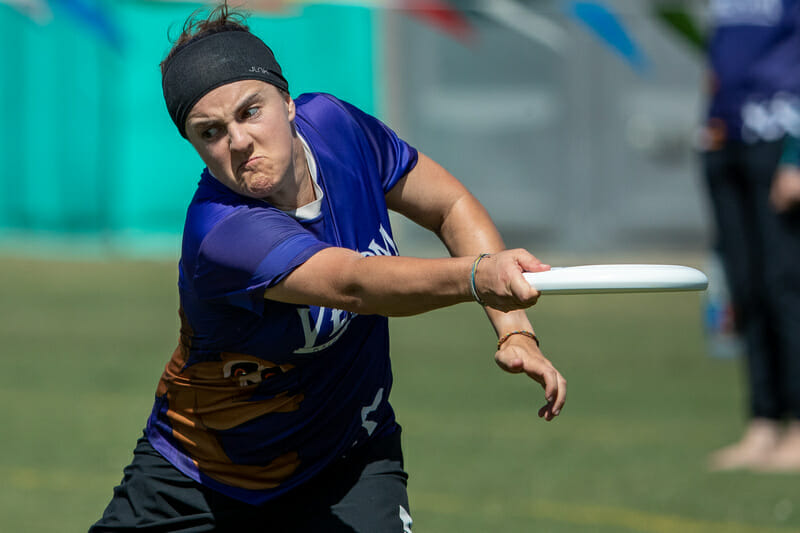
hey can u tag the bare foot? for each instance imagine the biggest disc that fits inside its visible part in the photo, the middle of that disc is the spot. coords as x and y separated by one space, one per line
786 455
757 444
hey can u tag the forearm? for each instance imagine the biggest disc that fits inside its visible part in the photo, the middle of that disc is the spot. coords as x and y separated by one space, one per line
467 230
403 286
384 285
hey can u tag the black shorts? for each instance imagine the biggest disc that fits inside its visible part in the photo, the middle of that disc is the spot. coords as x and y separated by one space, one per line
362 493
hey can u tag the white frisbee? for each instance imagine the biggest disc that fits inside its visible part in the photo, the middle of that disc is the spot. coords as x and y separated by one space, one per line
617 278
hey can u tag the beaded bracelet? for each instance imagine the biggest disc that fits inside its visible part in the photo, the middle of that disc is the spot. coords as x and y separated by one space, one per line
472 286
505 337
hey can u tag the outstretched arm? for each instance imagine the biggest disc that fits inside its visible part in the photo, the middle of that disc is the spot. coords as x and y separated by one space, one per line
341 278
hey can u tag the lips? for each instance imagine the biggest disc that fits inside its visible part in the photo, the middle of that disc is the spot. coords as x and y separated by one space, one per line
245 164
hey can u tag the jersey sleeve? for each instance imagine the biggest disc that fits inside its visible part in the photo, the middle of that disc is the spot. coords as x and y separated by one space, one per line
393 156
249 251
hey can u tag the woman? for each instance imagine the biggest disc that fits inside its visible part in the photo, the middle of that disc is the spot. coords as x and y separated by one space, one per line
750 166
273 412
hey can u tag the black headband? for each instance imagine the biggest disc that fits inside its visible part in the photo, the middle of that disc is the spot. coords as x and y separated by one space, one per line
212 61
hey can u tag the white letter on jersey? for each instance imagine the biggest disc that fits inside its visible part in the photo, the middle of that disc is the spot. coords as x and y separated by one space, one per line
340 318
339 322
310 333
388 248
369 425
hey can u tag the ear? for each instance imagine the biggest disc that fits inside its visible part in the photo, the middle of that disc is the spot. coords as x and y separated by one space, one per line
290 109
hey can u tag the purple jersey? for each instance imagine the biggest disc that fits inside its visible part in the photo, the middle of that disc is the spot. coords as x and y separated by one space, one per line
755 55
260 395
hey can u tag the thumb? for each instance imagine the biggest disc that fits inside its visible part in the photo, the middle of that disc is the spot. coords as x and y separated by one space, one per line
530 263
524 291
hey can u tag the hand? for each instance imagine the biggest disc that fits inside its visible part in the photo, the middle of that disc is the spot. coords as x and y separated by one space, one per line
784 194
521 354
499 280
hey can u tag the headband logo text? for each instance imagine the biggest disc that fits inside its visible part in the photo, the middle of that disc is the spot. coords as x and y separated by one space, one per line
259 70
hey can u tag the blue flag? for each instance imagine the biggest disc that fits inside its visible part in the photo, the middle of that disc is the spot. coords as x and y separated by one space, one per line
607 26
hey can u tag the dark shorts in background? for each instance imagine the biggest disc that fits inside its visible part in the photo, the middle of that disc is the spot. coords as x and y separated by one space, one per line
365 494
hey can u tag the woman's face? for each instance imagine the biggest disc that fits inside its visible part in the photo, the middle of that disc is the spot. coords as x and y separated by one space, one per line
243 131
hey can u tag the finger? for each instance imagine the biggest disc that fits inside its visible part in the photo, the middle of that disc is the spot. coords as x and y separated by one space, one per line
530 263
561 395
555 404
547 412
549 381
544 411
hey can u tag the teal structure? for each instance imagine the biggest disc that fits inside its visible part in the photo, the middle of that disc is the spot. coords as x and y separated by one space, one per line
87 150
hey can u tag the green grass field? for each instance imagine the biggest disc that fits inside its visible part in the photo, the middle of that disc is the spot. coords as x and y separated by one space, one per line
83 345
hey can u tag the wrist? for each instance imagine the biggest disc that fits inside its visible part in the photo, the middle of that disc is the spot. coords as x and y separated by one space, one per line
473 287
521 332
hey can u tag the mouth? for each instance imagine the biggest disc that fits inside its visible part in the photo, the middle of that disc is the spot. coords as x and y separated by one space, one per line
245 164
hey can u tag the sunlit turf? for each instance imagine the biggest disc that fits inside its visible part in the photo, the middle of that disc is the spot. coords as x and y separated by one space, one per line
83 344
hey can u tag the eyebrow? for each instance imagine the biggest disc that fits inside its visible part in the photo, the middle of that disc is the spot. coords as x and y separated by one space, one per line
200 121
249 100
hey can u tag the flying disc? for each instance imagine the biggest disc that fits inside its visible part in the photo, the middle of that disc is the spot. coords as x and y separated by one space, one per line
617 278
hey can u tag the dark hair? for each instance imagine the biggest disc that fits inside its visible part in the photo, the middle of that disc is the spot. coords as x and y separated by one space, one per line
220 19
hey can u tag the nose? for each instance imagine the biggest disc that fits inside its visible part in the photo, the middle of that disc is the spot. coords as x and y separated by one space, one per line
238 138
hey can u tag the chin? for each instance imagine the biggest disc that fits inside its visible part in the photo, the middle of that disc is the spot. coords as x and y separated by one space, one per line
259 190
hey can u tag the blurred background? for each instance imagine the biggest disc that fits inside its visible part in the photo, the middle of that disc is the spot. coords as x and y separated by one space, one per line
573 122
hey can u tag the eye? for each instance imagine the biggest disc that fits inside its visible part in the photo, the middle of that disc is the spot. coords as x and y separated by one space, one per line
209 133
251 112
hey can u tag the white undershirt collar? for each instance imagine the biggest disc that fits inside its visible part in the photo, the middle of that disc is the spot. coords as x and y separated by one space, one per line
311 210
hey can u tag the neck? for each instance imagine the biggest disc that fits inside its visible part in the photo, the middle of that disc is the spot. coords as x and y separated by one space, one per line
302 174
302 187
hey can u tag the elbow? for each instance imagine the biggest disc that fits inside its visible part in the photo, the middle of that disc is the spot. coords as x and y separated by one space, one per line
356 298
355 303
355 290
366 287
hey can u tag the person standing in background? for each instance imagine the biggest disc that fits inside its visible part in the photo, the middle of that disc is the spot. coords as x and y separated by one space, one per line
750 160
